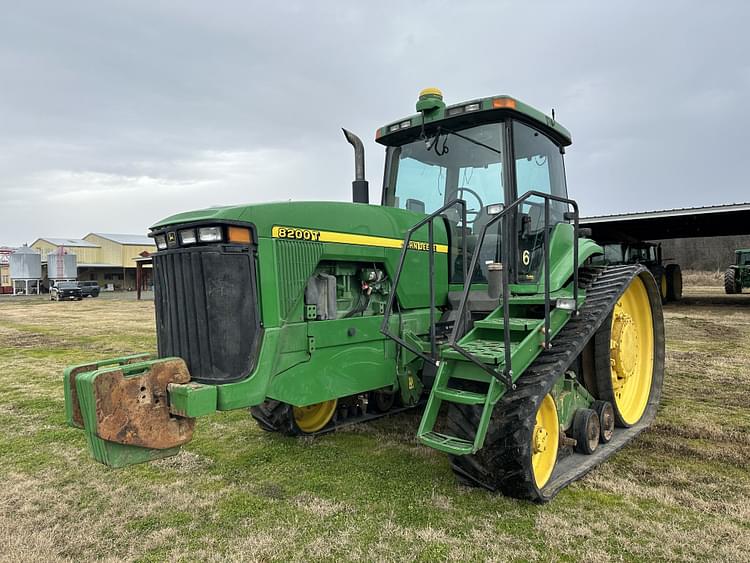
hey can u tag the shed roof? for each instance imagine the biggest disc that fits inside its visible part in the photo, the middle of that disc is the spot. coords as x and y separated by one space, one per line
134 240
708 221
73 242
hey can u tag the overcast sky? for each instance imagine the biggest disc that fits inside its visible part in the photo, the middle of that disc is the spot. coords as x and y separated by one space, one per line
114 115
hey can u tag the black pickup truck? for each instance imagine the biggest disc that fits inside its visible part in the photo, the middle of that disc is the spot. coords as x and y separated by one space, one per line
65 291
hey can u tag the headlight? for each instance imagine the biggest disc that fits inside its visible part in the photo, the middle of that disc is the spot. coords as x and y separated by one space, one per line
209 234
187 236
161 242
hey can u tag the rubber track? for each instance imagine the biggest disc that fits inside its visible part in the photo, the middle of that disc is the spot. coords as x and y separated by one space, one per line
504 463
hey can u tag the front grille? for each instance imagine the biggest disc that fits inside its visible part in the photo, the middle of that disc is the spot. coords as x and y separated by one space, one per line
207 310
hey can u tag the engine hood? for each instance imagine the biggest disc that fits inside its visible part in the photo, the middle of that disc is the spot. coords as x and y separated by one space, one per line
339 217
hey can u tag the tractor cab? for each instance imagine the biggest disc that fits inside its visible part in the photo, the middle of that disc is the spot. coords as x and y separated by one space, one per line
488 153
647 253
742 257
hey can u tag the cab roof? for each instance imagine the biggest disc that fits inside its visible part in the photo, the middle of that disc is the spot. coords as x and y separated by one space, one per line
466 114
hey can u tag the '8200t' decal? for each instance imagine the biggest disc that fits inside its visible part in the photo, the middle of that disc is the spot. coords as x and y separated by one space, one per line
296 234
313 235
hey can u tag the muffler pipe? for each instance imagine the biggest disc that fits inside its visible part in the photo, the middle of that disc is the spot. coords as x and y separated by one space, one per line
360 187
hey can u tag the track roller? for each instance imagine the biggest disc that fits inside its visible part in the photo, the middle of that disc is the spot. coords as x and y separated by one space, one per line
586 431
606 420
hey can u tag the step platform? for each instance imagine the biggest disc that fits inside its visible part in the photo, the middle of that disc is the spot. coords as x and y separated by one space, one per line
491 352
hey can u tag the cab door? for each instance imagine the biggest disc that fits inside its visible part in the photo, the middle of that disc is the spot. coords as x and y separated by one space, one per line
537 165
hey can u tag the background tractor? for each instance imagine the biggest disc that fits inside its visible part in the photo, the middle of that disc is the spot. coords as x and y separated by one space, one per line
737 275
468 290
668 277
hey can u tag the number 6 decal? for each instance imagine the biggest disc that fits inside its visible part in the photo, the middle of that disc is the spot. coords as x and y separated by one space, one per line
526 257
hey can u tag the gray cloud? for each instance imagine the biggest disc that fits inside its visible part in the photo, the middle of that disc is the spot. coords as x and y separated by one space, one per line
112 116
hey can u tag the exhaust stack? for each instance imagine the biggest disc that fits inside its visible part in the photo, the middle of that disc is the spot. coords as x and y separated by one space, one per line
360 187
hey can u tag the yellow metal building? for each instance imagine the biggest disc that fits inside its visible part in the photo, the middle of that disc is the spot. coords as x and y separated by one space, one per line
104 257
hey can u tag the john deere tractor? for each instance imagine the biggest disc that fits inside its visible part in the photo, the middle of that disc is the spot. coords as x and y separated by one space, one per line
668 277
737 275
469 291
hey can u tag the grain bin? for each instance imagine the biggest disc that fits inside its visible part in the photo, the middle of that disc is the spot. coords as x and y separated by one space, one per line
61 265
25 270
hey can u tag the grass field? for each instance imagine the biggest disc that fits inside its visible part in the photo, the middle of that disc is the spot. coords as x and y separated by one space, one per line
679 492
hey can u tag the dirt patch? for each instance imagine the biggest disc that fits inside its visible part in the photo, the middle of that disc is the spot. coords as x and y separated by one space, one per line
712 329
26 340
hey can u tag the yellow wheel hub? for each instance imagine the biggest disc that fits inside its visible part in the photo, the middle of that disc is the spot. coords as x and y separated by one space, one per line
314 417
632 352
545 440
624 346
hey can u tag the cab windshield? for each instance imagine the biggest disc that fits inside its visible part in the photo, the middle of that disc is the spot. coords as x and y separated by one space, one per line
641 254
426 174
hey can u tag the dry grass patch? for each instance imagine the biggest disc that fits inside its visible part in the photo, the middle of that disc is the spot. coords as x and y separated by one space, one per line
319 507
703 278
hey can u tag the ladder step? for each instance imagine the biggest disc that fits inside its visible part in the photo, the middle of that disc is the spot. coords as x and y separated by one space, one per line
516 323
448 444
488 351
460 396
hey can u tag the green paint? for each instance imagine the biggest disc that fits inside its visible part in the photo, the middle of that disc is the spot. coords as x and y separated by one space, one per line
570 396
192 400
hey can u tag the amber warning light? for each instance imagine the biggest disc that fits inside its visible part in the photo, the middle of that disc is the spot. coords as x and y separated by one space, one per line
239 234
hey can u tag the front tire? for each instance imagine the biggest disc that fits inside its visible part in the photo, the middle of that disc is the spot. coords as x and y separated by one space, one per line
730 281
674 282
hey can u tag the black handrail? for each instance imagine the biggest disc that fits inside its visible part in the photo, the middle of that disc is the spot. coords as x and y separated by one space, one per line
507 374
392 298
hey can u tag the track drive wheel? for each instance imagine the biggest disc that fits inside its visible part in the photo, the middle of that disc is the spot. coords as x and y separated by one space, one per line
674 282
624 358
275 416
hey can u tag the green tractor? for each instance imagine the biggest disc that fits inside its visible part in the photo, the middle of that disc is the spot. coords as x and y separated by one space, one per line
469 291
668 277
738 274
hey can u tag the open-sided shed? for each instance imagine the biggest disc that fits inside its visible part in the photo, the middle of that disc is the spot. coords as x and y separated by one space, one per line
710 221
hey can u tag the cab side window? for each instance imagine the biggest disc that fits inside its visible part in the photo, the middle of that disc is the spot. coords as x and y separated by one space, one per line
538 167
